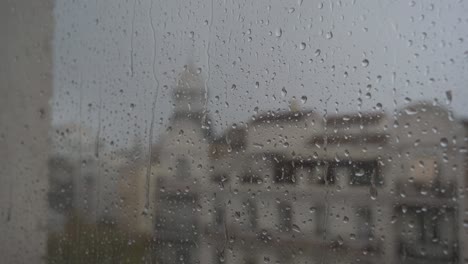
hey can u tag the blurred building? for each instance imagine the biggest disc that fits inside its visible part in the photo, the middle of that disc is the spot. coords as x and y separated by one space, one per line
299 187
72 174
362 187
82 176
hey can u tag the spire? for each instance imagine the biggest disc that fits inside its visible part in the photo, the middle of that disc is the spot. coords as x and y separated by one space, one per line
190 77
189 92
294 105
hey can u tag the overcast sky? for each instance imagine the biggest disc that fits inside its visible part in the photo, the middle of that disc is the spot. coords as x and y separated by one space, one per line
115 55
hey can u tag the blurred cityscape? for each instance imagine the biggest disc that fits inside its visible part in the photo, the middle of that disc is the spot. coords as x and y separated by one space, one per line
290 186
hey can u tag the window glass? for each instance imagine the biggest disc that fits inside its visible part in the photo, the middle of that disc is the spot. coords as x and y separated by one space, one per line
203 131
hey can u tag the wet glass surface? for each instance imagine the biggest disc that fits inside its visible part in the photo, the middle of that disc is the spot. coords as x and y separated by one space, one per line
149 131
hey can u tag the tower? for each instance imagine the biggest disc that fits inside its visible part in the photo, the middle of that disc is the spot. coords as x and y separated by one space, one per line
189 93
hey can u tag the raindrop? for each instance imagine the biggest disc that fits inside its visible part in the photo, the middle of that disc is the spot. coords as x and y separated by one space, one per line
365 63
448 95
296 228
359 172
284 92
145 211
410 111
278 32
404 209
302 46
444 142
317 52
329 35
303 99
340 241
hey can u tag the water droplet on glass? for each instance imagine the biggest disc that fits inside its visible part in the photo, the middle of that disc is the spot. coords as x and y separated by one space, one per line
145 211
359 172
411 111
278 32
296 228
302 46
340 240
448 95
444 142
284 92
365 63
317 52
373 193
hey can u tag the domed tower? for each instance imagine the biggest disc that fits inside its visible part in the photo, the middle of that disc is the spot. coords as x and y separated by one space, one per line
189 93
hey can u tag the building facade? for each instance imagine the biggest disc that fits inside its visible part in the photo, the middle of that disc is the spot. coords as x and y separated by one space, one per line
299 187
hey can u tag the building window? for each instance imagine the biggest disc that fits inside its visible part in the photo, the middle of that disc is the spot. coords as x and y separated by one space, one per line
317 173
364 173
251 210
251 177
219 214
428 223
182 168
220 178
364 220
320 219
284 172
426 232
285 216
326 173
